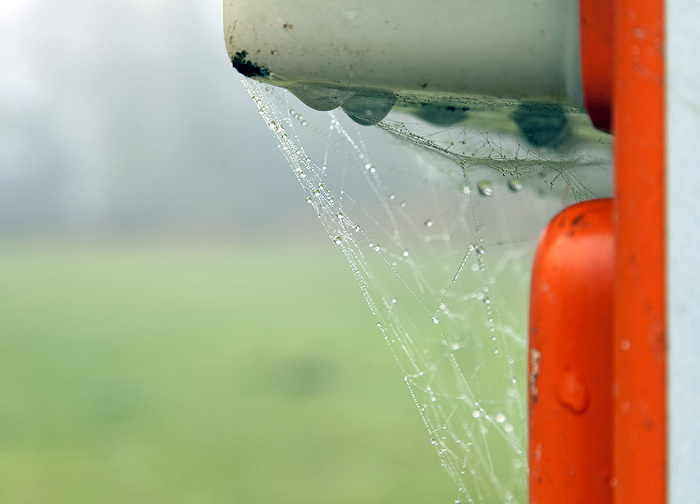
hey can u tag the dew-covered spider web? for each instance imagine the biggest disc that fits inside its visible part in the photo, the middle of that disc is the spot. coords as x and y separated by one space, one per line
439 224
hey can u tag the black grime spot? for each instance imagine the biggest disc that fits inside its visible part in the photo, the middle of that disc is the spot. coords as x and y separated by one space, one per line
241 63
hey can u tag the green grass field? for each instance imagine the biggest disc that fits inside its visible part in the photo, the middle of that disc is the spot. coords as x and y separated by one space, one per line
171 373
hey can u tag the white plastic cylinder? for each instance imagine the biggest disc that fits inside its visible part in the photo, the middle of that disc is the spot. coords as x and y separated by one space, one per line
412 48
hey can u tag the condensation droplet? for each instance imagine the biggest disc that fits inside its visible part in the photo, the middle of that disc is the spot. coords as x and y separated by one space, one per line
485 188
515 185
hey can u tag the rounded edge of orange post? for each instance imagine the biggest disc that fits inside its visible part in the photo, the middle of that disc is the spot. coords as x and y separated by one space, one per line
570 358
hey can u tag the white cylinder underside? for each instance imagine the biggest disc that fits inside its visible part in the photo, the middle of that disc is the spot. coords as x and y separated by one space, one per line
496 48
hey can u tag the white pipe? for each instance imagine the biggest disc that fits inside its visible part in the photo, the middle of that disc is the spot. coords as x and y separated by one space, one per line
412 50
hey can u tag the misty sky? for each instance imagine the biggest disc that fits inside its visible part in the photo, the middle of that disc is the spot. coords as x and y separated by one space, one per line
118 116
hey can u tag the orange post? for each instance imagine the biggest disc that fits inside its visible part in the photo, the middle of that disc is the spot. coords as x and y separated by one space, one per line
597 43
570 410
568 453
639 327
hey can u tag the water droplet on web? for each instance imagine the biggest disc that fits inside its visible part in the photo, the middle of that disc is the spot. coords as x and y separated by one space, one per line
357 228
455 346
476 413
500 418
508 428
405 253
369 107
428 223
392 196
402 204
435 320
485 188
466 190
393 301
515 185
433 442
320 97
338 240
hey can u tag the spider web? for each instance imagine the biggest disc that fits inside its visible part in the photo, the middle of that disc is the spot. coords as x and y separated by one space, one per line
439 226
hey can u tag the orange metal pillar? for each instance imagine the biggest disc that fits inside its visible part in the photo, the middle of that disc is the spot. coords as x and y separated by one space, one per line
639 326
570 406
567 328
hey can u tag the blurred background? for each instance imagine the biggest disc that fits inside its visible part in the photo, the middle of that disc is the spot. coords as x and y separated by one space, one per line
175 326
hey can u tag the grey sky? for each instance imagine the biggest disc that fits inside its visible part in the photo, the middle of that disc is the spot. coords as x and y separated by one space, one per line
128 116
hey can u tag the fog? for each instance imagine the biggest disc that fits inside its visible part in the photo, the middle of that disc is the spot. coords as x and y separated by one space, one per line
128 117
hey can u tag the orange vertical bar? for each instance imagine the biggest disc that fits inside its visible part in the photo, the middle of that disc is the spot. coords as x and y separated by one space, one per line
597 25
570 368
639 327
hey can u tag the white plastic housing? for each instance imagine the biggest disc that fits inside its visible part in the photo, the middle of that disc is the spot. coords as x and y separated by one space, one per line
413 48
